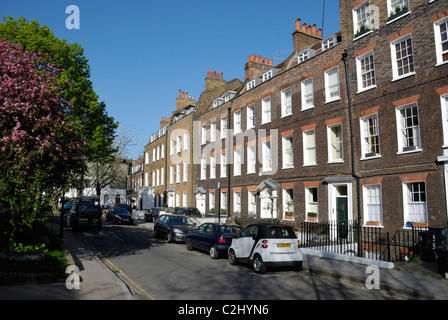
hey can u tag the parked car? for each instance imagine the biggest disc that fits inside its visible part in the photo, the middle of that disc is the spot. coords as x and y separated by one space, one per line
67 207
173 227
213 238
191 211
105 208
267 245
119 215
154 213
84 212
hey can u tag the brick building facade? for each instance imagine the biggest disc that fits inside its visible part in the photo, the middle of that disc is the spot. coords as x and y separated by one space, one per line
353 126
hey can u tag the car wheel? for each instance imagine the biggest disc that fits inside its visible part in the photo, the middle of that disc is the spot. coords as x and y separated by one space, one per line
259 266
156 234
213 253
188 244
232 257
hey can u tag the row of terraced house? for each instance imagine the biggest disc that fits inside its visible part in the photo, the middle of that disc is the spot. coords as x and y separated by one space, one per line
349 127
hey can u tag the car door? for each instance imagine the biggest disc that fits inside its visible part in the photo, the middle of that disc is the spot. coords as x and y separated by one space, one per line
207 237
196 237
246 242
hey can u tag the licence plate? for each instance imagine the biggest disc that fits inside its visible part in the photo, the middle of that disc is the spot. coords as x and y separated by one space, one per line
283 245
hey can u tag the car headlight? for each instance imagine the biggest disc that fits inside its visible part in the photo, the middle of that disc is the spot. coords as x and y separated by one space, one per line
177 230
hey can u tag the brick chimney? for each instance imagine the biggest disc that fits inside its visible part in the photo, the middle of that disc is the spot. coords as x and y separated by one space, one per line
214 79
305 36
164 122
183 100
256 65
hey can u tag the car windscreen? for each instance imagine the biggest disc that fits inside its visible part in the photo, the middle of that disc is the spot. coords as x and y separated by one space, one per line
225 230
89 207
181 220
280 232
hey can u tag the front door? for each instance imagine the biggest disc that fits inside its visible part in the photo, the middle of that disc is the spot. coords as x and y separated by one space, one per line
342 216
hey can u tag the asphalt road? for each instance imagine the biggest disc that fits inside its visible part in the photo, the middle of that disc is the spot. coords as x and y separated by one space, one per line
155 269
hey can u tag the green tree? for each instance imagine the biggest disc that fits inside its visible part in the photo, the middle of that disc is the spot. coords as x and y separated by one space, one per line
88 116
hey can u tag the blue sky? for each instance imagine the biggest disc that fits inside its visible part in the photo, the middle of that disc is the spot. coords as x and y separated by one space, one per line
141 52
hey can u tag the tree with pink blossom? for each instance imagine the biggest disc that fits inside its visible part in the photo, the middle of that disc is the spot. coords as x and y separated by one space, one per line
39 149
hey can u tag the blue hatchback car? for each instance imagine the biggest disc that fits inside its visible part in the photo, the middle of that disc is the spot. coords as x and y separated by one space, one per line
213 237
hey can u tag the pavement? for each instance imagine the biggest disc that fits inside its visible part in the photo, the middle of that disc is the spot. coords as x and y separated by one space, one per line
101 280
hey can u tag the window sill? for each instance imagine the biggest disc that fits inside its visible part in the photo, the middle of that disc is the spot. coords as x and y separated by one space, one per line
369 158
403 77
333 100
398 16
441 63
362 34
310 164
335 161
410 151
286 168
307 108
366 89
285 116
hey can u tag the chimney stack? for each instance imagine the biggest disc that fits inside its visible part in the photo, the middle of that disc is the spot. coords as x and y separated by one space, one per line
305 36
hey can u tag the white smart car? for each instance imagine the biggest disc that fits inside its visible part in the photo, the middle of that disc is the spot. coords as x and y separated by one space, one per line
267 245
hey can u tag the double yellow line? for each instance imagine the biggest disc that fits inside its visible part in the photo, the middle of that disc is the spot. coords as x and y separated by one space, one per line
116 270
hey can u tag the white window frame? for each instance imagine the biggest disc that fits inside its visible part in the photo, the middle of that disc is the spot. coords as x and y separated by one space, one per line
158 153
362 17
223 171
213 131
162 176
251 158
266 156
364 75
368 135
309 151
237 162
287 199
402 131
251 84
306 94
286 101
211 200
162 152
237 202
251 205
439 41
395 64
184 199
266 110
267 75
204 135
333 87
172 174
186 141
185 171
373 206
250 115
391 10
335 144
212 167
223 127
203 168
444 106
411 203
178 144
237 122
287 154
178 173
310 205
171 146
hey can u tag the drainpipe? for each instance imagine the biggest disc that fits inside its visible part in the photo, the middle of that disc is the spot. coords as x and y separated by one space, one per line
352 150
229 145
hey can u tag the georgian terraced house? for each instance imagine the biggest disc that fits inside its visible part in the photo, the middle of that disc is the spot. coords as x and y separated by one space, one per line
352 126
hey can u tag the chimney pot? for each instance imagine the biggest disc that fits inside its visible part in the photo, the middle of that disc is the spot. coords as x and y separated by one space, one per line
313 29
304 27
319 33
179 92
298 24
308 29
221 75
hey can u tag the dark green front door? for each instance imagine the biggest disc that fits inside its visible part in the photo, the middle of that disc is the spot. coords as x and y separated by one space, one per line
342 216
